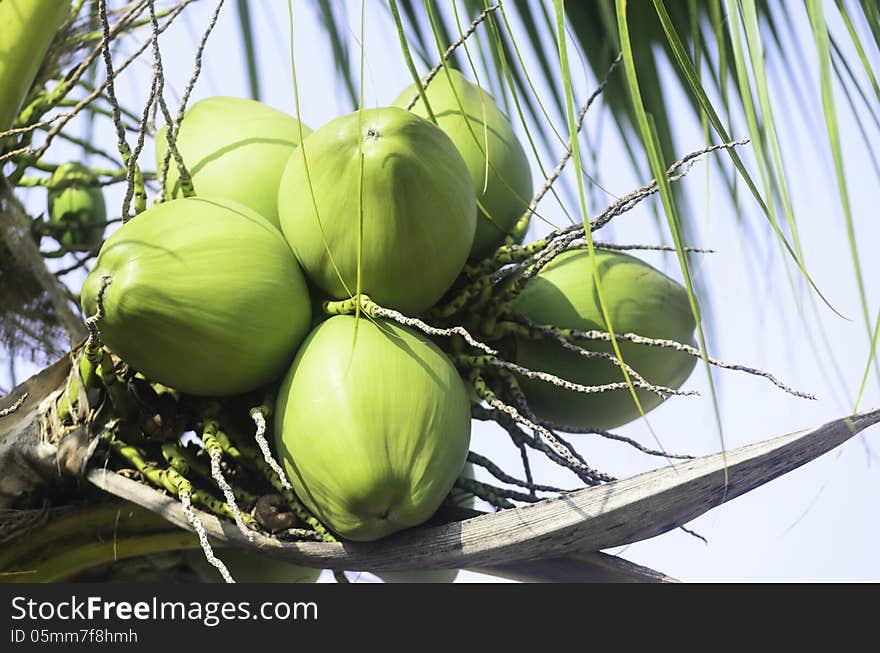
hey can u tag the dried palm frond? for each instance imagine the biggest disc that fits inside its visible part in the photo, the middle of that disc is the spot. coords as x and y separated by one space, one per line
35 311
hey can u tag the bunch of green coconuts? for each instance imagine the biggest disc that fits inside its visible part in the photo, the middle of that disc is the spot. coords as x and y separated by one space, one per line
221 290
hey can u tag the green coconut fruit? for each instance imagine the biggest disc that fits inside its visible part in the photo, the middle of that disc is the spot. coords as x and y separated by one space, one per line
460 498
640 299
204 296
234 149
76 206
249 567
419 210
371 431
505 192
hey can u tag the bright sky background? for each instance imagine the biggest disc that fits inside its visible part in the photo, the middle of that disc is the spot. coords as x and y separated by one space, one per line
819 523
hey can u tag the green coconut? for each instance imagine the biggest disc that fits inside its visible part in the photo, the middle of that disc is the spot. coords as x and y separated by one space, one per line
372 432
234 149
419 210
205 297
640 299
250 567
76 206
458 105
460 498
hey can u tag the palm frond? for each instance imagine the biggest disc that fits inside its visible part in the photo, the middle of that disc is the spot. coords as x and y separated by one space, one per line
247 41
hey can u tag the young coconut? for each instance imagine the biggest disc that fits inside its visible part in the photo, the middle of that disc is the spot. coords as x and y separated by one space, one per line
204 296
504 194
234 149
372 432
640 299
76 206
419 208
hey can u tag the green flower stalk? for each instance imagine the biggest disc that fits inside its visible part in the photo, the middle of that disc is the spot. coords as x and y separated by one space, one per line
26 31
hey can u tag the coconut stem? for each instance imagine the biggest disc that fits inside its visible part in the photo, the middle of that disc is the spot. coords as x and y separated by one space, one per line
501 475
123 404
122 142
259 415
215 452
193 518
573 335
514 254
608 435
497 496
195 463
545 250
93 344
173 127
527 468
535 331
448 53
258 460
134 177
71 405
519 399
166 478
92 369
57 94
522 225
513 391
373 310
183 456
26 29
14 407
471 295
486 394
505 255
520 438
559 382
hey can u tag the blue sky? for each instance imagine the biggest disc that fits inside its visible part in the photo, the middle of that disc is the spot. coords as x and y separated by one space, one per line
817 523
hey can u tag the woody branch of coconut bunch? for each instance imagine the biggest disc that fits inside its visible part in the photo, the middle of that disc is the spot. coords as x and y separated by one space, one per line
297 335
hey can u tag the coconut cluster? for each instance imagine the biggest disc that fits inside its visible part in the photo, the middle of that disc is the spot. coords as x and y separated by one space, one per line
213 291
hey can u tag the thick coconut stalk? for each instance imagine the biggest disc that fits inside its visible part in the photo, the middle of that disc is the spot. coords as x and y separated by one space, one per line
26 30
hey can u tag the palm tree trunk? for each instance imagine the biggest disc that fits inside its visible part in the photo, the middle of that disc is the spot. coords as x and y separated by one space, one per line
15 235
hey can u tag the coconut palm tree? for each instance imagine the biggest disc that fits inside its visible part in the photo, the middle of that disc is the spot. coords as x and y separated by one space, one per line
668 83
